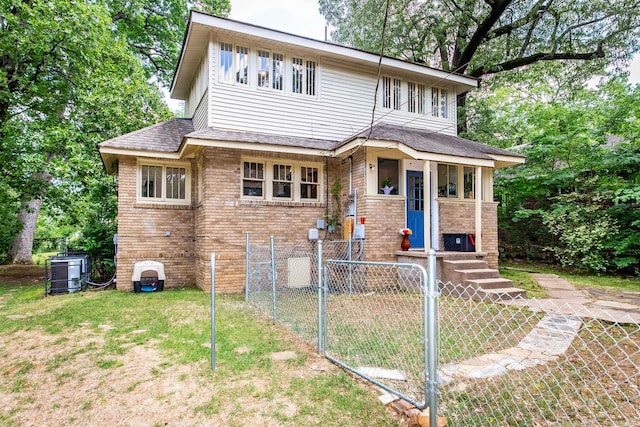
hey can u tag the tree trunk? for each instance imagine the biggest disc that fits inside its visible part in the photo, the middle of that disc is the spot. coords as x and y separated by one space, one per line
461 102
22 249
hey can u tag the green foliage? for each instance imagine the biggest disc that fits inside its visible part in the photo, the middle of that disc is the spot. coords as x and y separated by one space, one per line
582 231
9 207
478 37
72 74
153 29
576 200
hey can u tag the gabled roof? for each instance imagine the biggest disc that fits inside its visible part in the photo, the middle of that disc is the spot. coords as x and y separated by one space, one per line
428 141
200 25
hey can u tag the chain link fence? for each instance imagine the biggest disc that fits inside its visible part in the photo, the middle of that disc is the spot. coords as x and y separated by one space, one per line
534 363
376 324
283 281
523 362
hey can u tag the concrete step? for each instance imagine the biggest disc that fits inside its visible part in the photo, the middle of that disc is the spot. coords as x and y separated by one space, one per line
478 273
463 264
490 283
502 294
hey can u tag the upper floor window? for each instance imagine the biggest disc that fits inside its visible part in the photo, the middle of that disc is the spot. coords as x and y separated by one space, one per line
164 183
270 70
242 65
273 180
263 68
417 99
391 93
226 62
303 74
278 71
439 102
234 64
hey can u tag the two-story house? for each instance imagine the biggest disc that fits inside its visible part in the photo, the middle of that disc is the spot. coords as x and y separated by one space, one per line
279 128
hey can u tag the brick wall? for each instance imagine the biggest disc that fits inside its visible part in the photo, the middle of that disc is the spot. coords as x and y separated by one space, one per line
459 217
141 233
218 222
223 219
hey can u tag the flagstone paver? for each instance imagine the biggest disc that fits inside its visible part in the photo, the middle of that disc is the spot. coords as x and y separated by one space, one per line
565 310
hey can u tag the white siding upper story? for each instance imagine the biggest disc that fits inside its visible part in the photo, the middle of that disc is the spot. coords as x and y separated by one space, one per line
198 86
321 93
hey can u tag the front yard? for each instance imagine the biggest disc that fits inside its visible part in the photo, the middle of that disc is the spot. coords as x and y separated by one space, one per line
118 358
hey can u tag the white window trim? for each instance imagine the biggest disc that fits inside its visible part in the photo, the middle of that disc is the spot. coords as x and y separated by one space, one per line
419 102
393 96
253 59
163 200
269 86
435 109
295 184
305 77
234 64
487 183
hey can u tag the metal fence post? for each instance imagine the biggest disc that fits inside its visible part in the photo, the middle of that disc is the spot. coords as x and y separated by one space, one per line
247 266
213 311
273 275
431 343
320 297
350 250
325 308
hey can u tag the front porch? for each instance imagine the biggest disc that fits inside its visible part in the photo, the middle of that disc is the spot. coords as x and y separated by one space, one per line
466 274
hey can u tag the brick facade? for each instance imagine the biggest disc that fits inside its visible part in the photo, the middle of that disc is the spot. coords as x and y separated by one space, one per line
142 232
217 221
459 217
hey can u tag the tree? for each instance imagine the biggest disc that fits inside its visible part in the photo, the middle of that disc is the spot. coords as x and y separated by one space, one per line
154 29
73 73
480 38
576 199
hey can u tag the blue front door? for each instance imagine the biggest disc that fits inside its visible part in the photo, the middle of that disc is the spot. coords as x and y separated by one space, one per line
415 208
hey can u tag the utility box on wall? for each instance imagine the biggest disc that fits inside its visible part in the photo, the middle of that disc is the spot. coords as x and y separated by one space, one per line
459 242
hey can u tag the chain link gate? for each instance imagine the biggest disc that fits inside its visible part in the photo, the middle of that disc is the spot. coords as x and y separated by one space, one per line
379 322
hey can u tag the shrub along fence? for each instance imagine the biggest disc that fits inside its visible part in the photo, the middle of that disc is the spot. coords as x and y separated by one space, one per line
528 362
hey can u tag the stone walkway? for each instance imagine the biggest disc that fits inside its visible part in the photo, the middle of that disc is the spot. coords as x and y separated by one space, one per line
567 299
565 310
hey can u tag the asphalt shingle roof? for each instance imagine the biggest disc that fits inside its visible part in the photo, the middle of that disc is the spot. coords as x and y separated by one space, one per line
431 142
216 134
166 136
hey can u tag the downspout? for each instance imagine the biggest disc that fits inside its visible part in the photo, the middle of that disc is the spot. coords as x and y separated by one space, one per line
326 190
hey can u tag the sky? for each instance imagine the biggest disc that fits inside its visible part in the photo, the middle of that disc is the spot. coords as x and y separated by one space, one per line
302 18
299 17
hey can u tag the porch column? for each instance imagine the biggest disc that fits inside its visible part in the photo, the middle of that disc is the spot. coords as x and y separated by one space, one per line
426 197
478 194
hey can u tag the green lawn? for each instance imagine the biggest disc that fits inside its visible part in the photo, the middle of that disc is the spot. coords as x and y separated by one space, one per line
58 344
580 279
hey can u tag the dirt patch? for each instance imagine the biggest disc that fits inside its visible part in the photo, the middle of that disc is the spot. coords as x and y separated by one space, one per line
58 381
21 275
